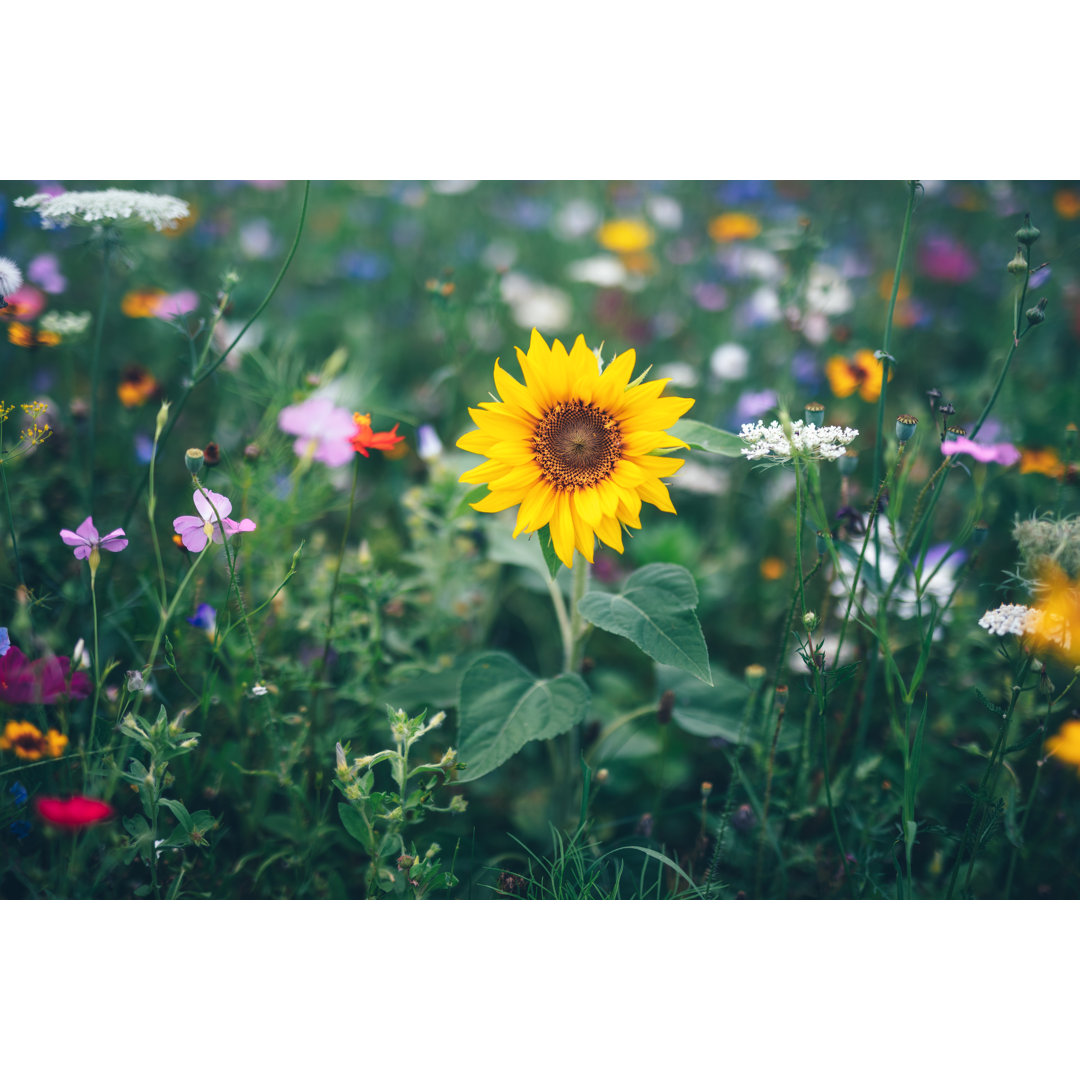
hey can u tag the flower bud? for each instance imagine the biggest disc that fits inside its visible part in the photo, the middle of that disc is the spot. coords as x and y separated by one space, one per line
193 460
978 534
663 710
162 419
706 789
1027 234
953 432
814 413
1018 264
905 426
754 673
822 542
810 620
848 463
781 695
602 776
212 454
1036 314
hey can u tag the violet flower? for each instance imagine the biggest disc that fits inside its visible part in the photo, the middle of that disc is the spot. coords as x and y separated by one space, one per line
87 543
39 682
324 429
1000 453
196 531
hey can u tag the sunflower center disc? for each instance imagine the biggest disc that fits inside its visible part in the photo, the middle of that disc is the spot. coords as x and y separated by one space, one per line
577 445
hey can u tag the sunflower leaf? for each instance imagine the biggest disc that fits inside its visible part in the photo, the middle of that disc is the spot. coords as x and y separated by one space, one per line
548 548
503 706
655 610
704 437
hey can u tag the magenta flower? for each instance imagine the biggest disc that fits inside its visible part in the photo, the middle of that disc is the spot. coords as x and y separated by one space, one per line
86 540
176 304
196 531
41 682
1000 453
324 429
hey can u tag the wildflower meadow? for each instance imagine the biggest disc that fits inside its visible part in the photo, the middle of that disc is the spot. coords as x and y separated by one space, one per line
539 540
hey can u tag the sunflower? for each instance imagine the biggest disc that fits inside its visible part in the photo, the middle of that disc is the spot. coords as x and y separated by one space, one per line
572 448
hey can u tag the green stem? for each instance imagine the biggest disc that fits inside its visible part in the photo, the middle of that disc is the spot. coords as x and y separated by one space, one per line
168 613
95 369
913 188
97 657
340 563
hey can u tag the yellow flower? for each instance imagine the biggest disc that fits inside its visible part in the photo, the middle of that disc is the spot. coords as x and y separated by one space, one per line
1057 620
28 742
573 448
772 568
625 236
1067 203
1046 462
863 373
28 338
1065 745
734 226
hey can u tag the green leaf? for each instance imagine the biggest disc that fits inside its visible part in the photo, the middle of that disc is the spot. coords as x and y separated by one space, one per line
709 712
179 811
548 548
655 610
712 440
354 825
503 706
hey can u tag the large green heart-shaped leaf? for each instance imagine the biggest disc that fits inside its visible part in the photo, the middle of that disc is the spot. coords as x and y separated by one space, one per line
655 610
503 706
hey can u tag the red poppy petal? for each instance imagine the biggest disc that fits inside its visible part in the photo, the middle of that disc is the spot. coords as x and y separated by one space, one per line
75 813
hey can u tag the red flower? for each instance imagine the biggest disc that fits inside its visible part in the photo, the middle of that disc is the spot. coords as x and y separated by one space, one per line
78 812
41 682
366 439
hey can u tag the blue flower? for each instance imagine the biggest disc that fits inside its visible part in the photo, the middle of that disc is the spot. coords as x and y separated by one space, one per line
5 641
205 618
21 829
19 793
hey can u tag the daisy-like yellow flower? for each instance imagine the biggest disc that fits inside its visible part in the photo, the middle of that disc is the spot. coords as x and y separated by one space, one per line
29 743
863 373
1056 626
625 236
1065 745
724 228
572 448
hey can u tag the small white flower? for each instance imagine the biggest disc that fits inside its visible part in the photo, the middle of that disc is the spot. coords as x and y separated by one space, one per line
1009 619
65 323
730 360
258 690
113 204
429 445
805 441
10 278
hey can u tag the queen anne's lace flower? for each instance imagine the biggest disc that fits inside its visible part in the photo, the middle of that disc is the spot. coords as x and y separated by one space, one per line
65 323
1010 619
113 204
805 441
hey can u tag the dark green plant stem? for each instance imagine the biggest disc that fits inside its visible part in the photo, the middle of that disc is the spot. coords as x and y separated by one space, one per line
14 538
340 563
886 360
95 369
978 806
200 375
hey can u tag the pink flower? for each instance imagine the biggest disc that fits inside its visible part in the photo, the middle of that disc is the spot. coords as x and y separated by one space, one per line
76 812
324 429
196 531
85 539
1001 453
28 302
41 682
175 304
44 270
945 259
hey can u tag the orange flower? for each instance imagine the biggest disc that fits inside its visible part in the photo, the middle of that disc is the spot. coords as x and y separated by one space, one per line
1067 203
28 338
625 236
734 226
28 742
1046 462
182 225
1057 625
142 303
863 373
136 388
772 568
366 439
1065 745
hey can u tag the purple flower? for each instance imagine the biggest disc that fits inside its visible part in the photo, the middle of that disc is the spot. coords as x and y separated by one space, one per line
196 531
753 404
1001 453
945 259
205 618
86 540
324 429
44 270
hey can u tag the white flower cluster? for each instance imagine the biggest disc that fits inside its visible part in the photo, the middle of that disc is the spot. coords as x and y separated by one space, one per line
86 207
65 323
10 278
1010 619
806 441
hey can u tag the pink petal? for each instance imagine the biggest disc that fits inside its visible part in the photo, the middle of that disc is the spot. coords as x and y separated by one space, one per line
87 531
203 505
114 541
194 539
186 522
74 539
